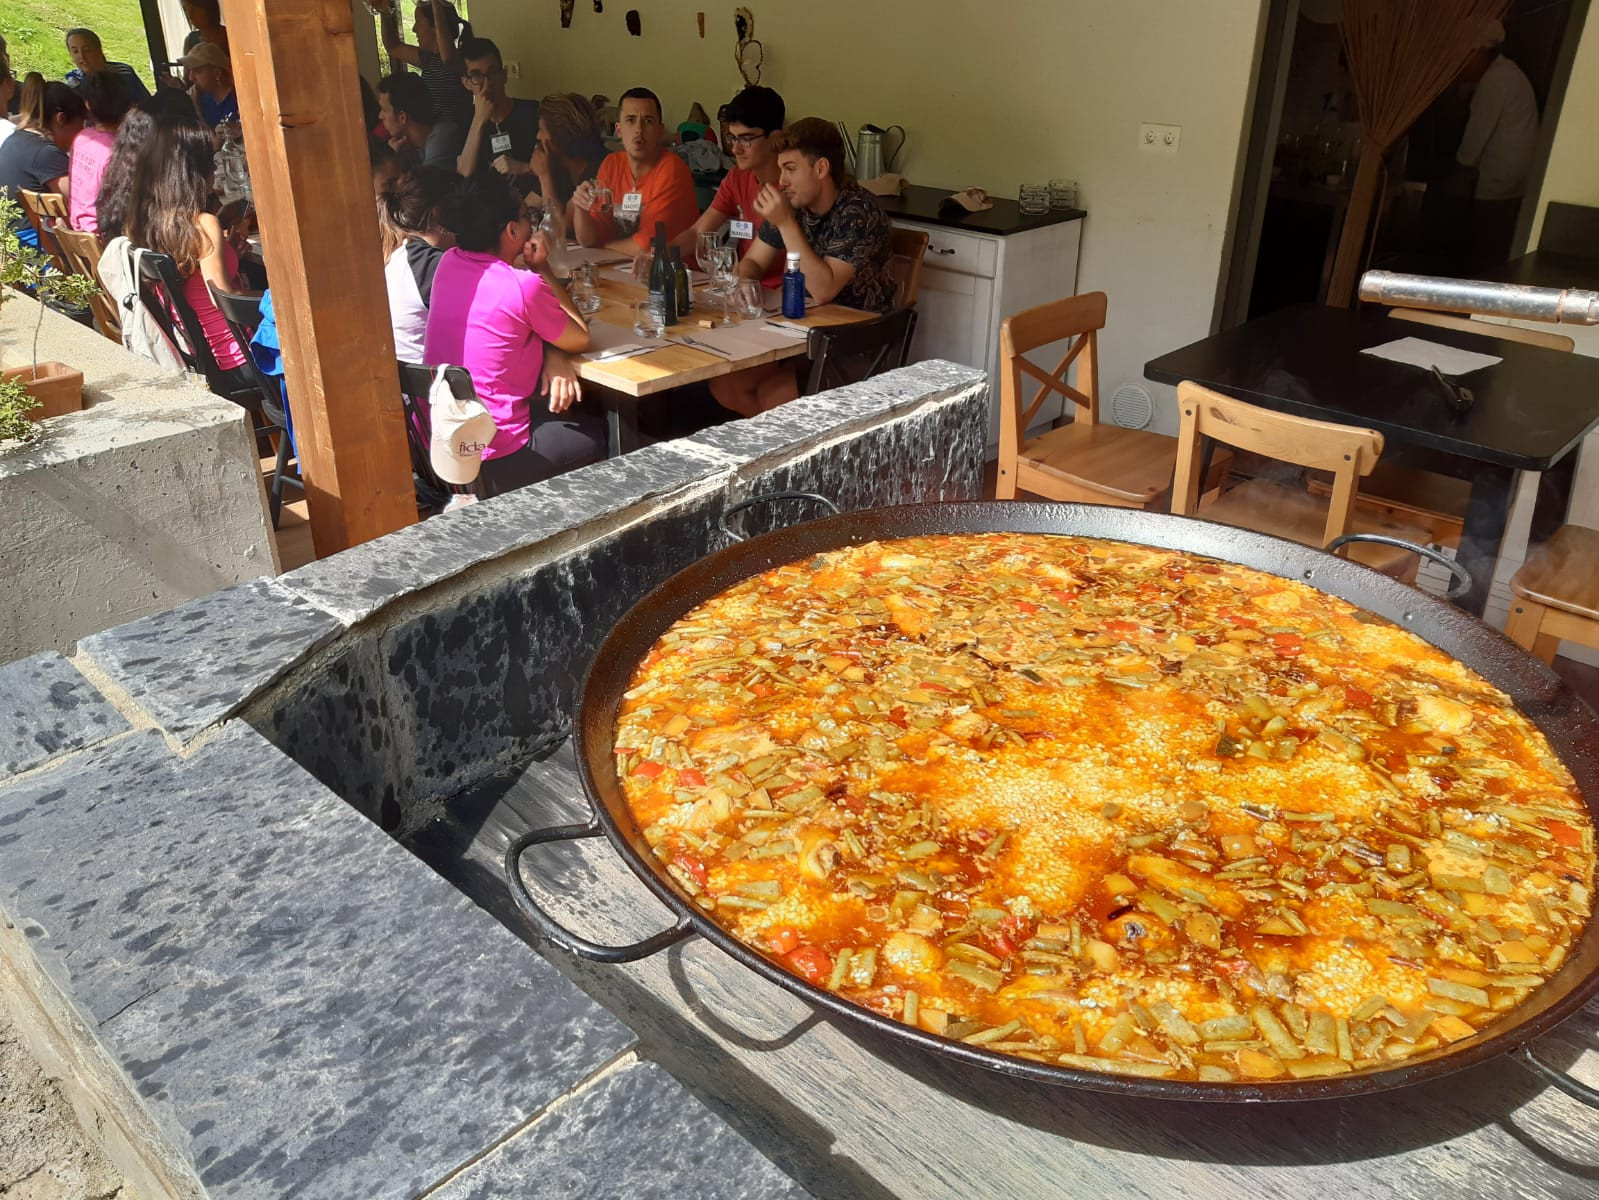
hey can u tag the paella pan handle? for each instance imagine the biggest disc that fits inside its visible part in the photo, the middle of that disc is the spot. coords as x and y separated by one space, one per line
1576 1089
554 930
1462 577
734 510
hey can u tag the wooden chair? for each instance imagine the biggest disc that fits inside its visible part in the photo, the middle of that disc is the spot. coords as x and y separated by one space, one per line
907 250
1555 594
1088 460
1276 508
40 208
82 252
1506 333
845 354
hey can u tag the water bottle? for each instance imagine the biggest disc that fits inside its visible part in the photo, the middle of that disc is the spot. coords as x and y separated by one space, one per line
232 169
793 289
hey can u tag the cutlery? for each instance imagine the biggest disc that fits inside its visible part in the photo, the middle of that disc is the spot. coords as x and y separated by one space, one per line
706 346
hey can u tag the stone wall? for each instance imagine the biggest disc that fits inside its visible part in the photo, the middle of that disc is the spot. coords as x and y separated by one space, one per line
149 497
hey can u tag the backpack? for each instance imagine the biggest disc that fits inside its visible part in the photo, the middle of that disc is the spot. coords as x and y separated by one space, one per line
142 333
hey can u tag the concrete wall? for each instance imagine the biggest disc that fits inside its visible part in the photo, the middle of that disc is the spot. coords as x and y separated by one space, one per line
149 497
990 94
1572 175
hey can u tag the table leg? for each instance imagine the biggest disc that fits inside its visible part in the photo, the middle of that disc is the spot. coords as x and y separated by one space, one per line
1484 530
1554 500
621 422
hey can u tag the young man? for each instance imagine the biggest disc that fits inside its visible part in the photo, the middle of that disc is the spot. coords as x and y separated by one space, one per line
648 184
406 110
88 57
211 77
749 122
504 131
1500 142
840 233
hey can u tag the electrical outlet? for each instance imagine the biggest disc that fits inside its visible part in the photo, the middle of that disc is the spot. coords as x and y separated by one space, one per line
1161 139
513 70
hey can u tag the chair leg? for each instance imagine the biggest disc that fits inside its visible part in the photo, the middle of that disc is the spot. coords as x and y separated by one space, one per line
1005 481
275 503
1524 626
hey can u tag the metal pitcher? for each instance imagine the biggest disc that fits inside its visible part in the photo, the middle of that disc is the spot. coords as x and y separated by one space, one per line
870 158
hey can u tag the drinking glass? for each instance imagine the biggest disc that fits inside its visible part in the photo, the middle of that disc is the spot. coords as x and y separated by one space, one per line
645 322
642 266
602 198
1062 193
1034 199
723 261
707 244
749 299
584 294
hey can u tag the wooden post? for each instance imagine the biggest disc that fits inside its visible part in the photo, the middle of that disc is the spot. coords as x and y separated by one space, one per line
294 70
1351 254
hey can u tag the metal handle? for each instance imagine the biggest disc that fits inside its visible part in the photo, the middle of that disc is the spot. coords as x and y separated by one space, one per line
550 928
1574 1088
938 250
735 509
1458 588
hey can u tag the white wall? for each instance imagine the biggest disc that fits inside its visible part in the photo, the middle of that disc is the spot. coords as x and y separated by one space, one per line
1572 175
991 93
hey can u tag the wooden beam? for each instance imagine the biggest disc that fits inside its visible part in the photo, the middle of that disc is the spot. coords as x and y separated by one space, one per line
294 70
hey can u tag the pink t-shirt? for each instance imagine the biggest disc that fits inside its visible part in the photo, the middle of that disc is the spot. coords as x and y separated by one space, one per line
493 319
224 347
91 150
735 200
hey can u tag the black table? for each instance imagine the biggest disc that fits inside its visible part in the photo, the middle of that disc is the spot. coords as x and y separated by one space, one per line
1531 413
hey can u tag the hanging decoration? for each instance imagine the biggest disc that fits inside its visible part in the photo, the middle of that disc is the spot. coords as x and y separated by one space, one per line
633 25
749 54
566 13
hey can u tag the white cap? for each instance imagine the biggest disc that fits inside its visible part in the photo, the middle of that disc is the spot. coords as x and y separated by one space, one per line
461 432
793 260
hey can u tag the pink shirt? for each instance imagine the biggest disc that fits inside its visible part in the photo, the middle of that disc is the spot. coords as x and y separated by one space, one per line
735 200
493 319
91 150
223 345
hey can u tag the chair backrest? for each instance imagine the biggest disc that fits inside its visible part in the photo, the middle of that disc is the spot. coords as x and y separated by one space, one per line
40 208
162 290
907 249
1077 319
416 382
1508 333
242 314
1347 451
844 354
82 252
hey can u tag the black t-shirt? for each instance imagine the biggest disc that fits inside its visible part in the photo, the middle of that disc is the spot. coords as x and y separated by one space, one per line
521 125
30 162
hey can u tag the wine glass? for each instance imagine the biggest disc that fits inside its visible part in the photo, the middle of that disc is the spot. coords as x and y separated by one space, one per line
723 259
707 244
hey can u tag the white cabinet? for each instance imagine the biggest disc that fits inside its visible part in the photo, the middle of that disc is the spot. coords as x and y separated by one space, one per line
972 281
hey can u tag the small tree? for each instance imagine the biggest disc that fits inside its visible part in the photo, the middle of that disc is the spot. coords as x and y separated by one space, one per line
16 402
30 268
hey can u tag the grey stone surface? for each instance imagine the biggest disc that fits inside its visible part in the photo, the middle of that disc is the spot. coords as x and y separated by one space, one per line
636 1134
358 582
47 709
192 666
309 1009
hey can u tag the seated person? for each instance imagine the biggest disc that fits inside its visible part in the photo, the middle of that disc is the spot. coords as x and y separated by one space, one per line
570 150
493 318
504 131
840 233
108 103
385 165
406 110
211 84
649 184
88 57
413 244
439 33
754 116
35 158
206 18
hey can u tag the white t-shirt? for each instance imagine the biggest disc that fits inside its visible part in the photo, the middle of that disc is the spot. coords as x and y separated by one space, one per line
1501 132
6 128
408 276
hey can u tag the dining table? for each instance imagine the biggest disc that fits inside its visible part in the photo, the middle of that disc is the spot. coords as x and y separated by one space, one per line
628 369
1529 413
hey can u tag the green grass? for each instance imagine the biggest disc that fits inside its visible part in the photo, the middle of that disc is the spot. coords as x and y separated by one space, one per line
35 32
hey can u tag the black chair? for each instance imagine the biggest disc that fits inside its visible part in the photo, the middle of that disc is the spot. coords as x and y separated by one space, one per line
415 383
161 289
243 314
844 354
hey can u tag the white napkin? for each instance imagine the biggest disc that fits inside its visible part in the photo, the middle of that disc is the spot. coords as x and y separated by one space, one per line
1418 352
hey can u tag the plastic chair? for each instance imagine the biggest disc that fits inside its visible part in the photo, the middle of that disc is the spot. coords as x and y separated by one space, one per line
242 313
416 382
845 354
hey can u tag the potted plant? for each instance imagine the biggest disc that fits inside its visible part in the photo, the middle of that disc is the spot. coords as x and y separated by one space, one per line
16 407
57 387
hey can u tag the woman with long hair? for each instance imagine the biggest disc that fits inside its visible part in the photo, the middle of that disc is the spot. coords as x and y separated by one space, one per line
35 158
439 32
570 150
167 213
413 244
167 105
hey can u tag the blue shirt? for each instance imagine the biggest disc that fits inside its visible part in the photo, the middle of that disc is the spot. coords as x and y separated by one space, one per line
217 111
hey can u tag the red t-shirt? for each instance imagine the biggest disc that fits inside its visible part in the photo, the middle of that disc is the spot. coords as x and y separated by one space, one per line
735 200
666 192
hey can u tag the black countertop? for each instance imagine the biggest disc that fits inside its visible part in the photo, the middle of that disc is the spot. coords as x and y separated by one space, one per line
1543 268
921 204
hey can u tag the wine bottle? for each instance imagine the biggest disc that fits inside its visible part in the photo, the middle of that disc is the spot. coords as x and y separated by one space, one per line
685 290
663 284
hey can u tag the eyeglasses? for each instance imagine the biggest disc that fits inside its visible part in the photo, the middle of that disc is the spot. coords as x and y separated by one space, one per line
480 76
746 139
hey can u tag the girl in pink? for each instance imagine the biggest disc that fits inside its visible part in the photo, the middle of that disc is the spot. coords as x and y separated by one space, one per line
493 318
108 102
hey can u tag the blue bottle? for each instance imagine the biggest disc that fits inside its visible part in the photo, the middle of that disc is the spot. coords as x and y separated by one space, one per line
793 289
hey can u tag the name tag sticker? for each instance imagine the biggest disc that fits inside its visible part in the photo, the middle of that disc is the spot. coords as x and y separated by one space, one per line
500 143
742 231
633 202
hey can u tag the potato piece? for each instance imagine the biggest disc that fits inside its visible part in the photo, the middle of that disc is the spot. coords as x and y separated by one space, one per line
1256 1064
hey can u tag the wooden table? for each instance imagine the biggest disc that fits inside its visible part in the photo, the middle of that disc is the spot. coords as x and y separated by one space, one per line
1532 408
848 1113
623 382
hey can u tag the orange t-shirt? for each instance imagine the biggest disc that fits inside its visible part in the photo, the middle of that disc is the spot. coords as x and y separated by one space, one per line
666 193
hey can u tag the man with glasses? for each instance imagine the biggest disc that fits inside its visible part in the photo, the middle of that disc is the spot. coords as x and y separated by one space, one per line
752 117
504 131
647 184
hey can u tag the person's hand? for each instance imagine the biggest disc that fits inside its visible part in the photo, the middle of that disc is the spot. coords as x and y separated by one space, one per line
398 142
558 380
540 162
381 7
583 195
536 252
506 165
480 106
774 206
